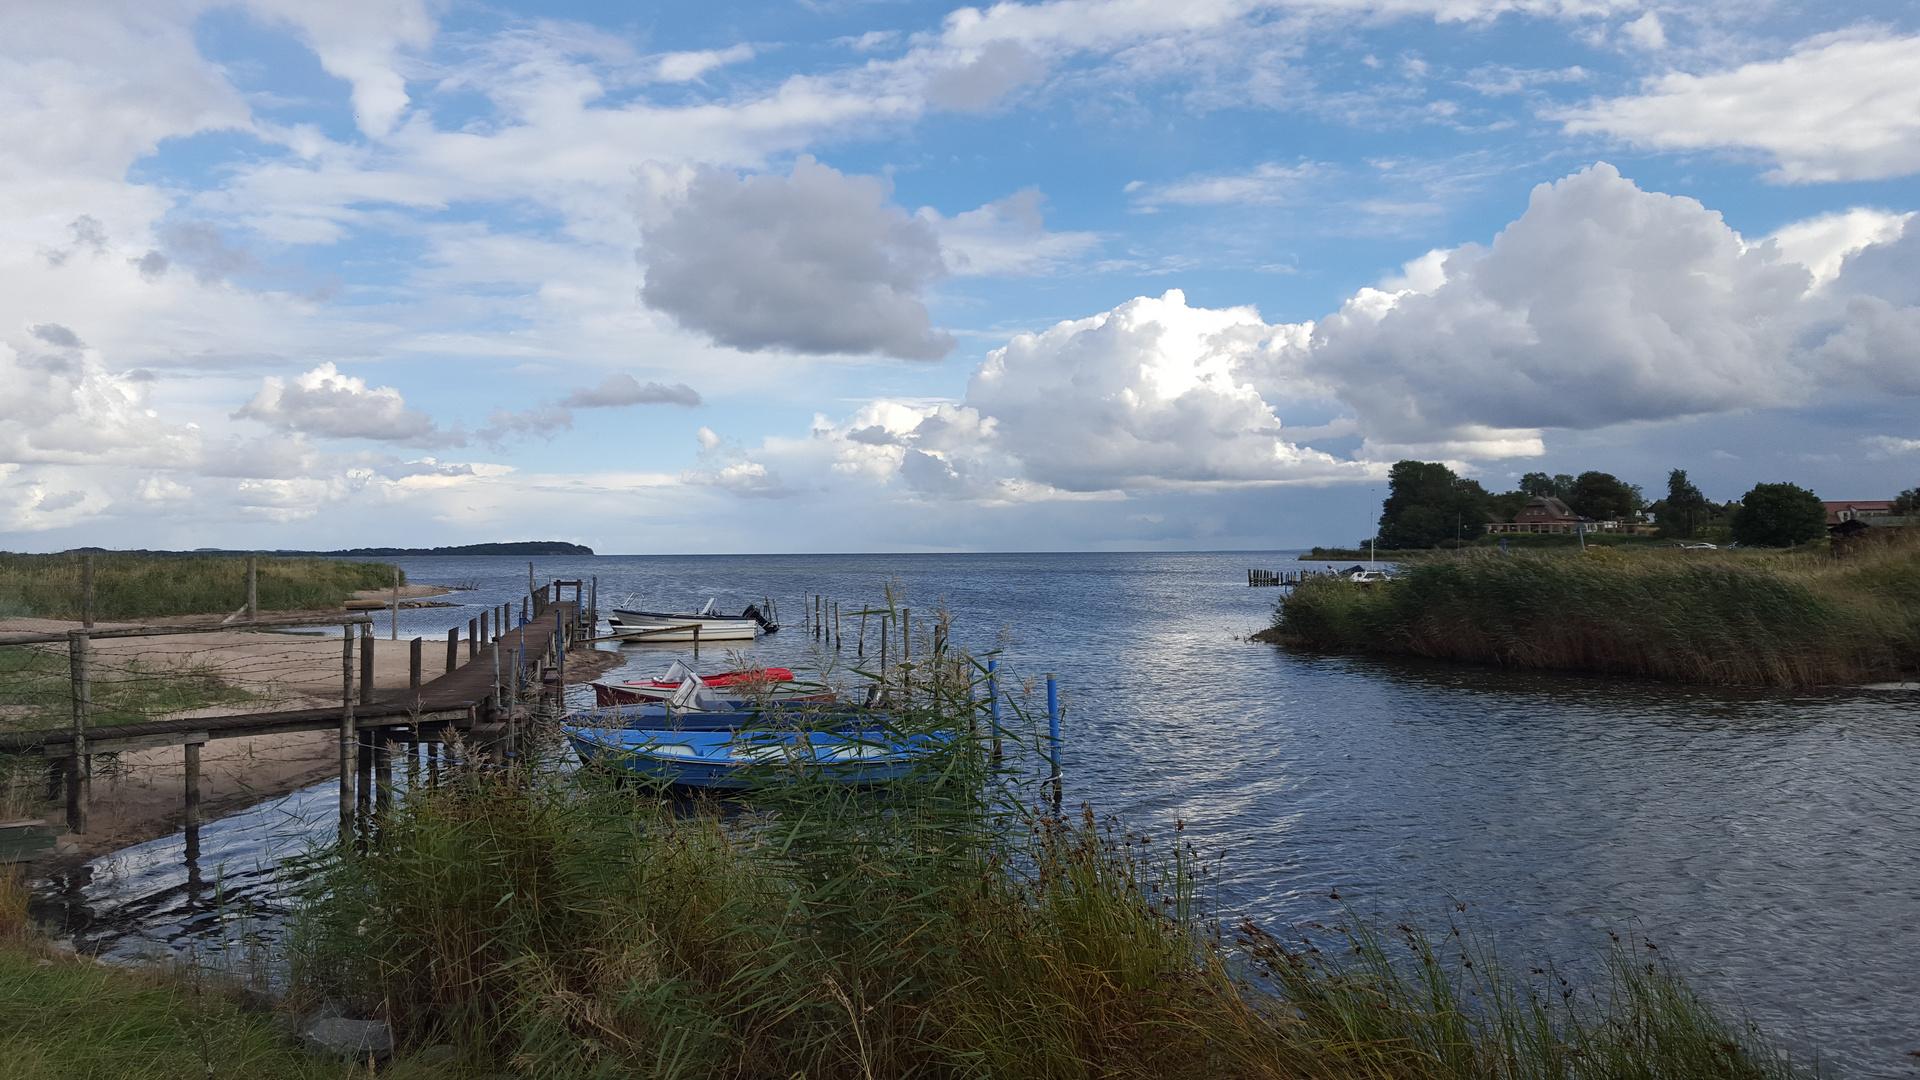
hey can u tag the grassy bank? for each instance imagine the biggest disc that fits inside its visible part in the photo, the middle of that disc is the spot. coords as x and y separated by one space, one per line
563 926
139 585
1731 618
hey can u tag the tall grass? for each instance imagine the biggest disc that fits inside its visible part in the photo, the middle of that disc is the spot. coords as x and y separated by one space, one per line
137 585
1707 617
562 926
36 688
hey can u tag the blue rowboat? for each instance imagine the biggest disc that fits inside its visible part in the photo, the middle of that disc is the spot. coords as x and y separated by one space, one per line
724 714
855 755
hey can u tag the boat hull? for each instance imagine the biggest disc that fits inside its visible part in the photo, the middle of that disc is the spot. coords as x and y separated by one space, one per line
730 760
668 626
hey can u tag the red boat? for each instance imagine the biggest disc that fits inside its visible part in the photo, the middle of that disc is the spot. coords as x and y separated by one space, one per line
749 683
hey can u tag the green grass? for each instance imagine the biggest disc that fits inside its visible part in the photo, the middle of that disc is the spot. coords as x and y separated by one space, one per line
139 585
1733 618
562 926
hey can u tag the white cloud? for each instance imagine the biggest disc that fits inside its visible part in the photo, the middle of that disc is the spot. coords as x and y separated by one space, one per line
727 467
621 388
1822 243
815 262
1005 238
981 77
1646 32
331 405
1268 184
1840 107
361 41
688 66
1602 304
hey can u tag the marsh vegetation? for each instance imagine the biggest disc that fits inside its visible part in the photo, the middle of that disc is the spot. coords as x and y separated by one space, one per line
142 585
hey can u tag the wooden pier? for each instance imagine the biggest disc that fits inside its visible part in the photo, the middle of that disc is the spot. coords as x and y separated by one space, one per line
480 698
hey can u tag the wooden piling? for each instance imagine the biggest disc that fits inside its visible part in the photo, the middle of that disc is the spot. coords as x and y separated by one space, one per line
473 638
253 589
838 640
347 734
366 664
860 643
86 590
192 824
394 635
413 665
80 763
453 649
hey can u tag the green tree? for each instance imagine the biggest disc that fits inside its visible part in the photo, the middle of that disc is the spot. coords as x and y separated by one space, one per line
1684 510
1427 505
1779 515
1604 497
1908 502
1552 487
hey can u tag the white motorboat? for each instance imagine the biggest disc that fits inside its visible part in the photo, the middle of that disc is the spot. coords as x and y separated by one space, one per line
633 625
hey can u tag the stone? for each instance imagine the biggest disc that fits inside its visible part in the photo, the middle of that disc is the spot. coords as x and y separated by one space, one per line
341 1037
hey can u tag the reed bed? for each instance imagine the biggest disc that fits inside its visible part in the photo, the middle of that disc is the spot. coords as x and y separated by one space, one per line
1727 618
561 925
139 585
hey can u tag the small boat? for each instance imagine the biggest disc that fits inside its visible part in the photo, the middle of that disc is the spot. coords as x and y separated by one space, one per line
749 684
855 749
633 625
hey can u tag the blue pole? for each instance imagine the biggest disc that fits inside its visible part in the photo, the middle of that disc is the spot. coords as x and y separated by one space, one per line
1053 733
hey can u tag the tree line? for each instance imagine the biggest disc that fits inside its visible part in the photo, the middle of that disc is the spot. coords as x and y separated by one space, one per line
1428 505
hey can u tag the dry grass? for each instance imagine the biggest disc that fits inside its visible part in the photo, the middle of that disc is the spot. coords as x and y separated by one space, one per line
1730 618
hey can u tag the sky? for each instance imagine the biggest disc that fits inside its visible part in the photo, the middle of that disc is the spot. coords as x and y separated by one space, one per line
857 275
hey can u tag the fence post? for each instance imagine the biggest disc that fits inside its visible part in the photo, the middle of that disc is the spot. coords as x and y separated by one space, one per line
348 737
86 590
366 663
253 588
394 634
193 800
453 649
80 764
413 666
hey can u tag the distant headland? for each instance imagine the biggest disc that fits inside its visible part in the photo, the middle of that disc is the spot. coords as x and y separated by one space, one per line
538 548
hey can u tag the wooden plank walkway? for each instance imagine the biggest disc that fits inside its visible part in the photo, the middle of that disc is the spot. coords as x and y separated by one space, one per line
457 699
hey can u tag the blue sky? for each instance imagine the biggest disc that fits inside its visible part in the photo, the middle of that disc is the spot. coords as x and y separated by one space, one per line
878 276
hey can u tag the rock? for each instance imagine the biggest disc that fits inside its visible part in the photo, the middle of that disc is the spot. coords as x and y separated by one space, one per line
341 1037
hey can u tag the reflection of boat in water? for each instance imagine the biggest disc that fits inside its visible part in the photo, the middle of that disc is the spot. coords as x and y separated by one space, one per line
754 684
731 748
634 625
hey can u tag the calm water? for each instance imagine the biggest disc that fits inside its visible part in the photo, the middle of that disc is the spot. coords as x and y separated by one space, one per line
1770 843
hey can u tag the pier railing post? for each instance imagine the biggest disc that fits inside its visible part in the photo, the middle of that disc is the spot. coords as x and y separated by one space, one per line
366 663
348 737
453 649
473 638
414 649
80 763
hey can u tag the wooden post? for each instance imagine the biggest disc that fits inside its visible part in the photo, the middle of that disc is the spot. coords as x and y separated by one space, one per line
497 699
86 590
383 767
366 663
347 735
193 800
906 636
593 606
253 588
838 639
884 619
473 638
696 644
413 666
453 649
560 650
485 635
395 634
80 763
530 585
860 643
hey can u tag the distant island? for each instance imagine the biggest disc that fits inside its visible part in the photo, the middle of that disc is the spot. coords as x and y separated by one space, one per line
524 547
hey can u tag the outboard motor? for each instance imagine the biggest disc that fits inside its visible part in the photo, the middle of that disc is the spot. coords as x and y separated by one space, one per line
766 625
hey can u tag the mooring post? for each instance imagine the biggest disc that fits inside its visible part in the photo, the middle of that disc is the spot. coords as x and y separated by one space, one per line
838 640
593 605
347 734
993 704
1053 735
86 590
453 649
253 588
395 634
192 824
413 665
485 636
366 662
560 651
530 585
80 763
473 638
860 642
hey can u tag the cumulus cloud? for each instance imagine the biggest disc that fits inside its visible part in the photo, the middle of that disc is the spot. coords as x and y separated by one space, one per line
814 262
727 467
332 405
1840 107
981 78
1601 304
1823 243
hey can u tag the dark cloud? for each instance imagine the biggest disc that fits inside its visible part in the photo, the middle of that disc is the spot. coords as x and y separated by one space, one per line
55 334
152 265
622 389
199 245
815 262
